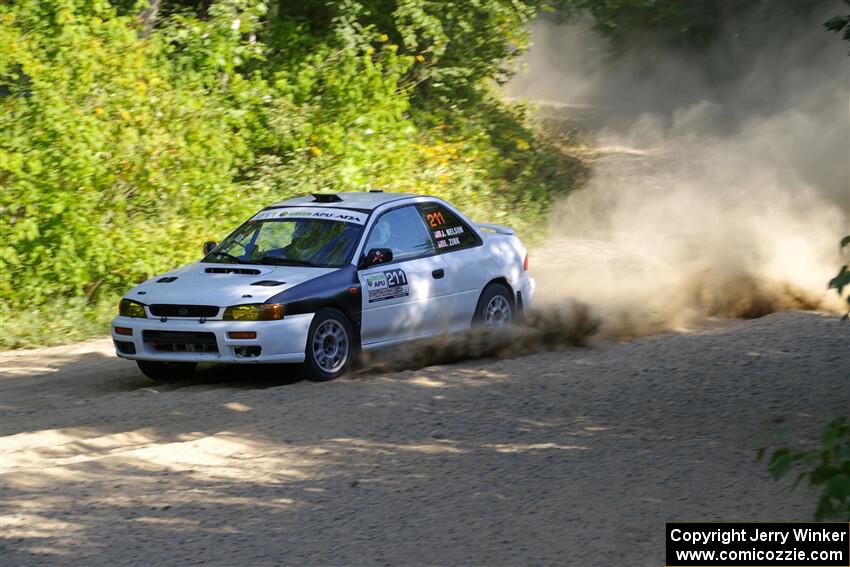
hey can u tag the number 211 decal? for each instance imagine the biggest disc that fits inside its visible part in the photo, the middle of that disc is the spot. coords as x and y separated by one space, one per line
387 285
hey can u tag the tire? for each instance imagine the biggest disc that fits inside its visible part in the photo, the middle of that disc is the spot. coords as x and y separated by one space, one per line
330 347
166 371
495 307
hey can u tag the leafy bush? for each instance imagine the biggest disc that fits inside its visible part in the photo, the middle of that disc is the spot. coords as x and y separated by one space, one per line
827 468
129 140
842 280
840 24
685 24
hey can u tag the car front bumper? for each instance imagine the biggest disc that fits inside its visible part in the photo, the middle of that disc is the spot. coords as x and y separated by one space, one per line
188 340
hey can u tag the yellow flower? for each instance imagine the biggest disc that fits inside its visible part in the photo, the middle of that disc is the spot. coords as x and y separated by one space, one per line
521 144
124 114
99 110
420 58
315 151
384 37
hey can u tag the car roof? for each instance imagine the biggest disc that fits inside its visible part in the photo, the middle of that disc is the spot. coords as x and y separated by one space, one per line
361 201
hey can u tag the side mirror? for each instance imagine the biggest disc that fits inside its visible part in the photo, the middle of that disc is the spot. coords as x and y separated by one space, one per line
377 256
209 246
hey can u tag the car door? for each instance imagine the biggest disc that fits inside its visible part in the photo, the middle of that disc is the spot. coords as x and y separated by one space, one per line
408 296
461 250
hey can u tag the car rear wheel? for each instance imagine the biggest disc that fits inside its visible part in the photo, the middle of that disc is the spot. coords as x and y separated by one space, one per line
330 346
166 371
495 307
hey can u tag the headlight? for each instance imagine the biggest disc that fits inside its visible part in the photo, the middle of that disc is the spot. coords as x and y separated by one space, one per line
254 312
130 308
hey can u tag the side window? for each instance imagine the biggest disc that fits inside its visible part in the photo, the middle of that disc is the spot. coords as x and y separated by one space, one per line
449 232
402 232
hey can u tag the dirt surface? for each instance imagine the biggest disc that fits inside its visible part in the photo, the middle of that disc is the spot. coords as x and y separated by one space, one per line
570 458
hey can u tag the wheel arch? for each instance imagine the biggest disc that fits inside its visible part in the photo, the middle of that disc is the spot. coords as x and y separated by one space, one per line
354 319
500 280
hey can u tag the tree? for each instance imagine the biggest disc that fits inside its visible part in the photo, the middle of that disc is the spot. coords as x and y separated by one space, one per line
838 24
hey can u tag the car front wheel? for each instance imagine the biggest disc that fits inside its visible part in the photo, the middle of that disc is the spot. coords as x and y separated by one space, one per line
330 346
166 371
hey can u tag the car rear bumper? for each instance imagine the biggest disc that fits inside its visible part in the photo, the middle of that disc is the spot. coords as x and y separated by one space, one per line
184 340
525 287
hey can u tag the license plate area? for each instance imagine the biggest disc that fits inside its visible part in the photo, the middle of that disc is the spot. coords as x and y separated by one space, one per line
180 341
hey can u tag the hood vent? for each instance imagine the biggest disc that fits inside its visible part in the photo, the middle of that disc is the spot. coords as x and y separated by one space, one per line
169 279
243 271
268 283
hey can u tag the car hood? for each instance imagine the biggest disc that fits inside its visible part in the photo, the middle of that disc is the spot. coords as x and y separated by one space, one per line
222 284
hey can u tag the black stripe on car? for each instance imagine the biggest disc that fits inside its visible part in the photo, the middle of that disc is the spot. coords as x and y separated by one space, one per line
329 290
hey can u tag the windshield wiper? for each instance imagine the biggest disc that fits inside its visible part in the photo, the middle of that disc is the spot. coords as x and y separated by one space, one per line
286 261
221 254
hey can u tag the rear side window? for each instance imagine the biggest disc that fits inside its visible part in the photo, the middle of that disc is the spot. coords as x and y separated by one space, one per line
449 232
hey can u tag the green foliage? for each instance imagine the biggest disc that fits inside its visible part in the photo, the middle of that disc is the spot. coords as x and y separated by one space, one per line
842 280
111 158
125 148
694 24
840 24
827 468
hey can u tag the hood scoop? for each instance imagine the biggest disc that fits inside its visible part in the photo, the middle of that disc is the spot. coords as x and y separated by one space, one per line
268 283
169 279
229 270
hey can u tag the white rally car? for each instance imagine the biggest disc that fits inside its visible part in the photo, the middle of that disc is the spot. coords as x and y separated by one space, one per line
314 279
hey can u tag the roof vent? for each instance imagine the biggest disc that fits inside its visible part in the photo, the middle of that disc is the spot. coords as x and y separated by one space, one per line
376 190
326 198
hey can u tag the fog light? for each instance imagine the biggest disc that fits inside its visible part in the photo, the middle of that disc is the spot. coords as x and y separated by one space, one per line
124 331
247 351
125 347
242 335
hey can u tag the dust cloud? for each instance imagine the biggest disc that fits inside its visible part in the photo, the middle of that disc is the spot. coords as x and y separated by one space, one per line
719 181
569 323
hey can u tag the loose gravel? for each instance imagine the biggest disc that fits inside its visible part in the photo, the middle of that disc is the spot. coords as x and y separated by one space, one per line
575 457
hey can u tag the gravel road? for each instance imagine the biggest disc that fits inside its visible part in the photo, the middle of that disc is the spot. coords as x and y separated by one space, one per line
575 457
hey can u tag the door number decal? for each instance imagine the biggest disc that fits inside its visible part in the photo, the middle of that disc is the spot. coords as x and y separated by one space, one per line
387 285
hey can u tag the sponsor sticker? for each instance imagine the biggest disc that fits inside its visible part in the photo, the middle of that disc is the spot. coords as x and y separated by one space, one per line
448 237
387 285
341 215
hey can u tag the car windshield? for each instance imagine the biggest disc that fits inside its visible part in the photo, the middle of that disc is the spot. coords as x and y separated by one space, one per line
289 242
